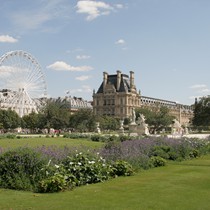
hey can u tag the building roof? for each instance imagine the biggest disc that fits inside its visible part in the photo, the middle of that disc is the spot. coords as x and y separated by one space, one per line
112 79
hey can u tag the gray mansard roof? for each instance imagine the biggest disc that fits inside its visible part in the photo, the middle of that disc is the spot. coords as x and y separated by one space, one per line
112 79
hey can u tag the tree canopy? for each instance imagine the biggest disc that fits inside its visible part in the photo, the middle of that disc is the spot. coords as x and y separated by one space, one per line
9 119
157 118
55 114
202 112
82 120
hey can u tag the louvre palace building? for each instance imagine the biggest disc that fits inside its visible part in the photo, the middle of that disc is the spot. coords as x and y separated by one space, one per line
117 96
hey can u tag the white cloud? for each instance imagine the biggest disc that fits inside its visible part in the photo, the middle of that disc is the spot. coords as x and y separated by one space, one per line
8 71
205 90
36 19
120 41
83 89
36 14
7 38
62 66
82 57
200 90
94 9
119 6
198 86
83 77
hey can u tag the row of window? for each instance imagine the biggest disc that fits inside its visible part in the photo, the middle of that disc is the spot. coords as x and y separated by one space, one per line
113 101
170 105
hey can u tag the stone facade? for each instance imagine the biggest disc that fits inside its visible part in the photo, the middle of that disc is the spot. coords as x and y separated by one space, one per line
183 113
117 96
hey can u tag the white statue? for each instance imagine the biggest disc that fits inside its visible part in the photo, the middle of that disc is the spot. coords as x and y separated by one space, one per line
176 124
133 116
186 131
121 124
141 119
177 128
97 127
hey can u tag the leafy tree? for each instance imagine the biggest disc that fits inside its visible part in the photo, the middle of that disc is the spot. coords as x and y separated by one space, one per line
83 120
127 121
31 121
109 123
157 117
202 112
55 114
9 119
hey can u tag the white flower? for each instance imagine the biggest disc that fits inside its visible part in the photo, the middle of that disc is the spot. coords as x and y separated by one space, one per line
49 162
57 166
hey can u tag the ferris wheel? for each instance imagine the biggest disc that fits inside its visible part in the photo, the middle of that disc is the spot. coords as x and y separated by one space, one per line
22 83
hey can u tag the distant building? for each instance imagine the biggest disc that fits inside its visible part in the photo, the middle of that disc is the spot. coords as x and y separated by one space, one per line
73 104
183 113
117 96
76 103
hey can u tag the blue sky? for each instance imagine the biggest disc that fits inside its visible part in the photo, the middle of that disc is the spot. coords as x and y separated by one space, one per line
165 42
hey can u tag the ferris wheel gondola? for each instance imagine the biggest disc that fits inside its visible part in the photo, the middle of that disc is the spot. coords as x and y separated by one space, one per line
22 82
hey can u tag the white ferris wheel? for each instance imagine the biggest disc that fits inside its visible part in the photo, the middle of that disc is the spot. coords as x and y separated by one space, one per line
22 83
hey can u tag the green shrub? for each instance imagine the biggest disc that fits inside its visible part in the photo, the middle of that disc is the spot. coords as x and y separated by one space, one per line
11 136
183 151
173 155
87 169
20 169
56 179
52 184
95 138
76 136
113 138
158 161
194 153
142 162
122 168
123 138
161 151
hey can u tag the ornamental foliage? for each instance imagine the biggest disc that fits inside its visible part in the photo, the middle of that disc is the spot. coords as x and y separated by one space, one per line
157 118
52 169
202 112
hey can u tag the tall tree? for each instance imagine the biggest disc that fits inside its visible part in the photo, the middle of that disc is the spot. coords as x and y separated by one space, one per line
83 120
9 119
31 121
202 112
55 114
157 118
109 123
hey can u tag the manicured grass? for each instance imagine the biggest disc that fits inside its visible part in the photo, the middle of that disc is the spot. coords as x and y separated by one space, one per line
39 141
180 186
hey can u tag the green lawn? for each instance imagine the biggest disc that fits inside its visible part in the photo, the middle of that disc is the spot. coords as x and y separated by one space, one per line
184 185
39 141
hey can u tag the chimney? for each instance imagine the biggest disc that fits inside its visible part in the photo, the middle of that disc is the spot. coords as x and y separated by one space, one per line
131 79
118 79
105 79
